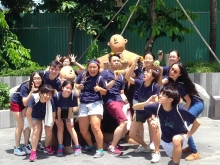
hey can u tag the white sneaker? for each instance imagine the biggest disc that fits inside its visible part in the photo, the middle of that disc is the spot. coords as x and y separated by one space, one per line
19 151
152 146
142 149
27 149
155 157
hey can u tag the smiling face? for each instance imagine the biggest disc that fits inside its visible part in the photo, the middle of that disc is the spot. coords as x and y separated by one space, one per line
37 80
66 62
174 72
54 72
67 90
93 69
45 97
173 57
148 60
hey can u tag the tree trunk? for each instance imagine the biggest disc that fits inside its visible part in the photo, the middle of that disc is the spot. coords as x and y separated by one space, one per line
71 37
150 40
213 26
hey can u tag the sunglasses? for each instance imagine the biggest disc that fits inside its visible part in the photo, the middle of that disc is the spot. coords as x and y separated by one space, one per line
174 71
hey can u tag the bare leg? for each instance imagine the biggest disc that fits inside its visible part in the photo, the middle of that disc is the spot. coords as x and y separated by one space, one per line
20 125
36 132
96 129
133 133
27 133
84 127
60 129
120 131
177 148
48 135
72 132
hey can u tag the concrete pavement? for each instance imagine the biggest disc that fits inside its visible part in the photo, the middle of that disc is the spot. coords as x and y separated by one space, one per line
207 139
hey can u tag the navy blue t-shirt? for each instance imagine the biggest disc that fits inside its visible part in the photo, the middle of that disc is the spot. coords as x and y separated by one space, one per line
171 122
113 94
65 103
39 108
166 70
180 86
143 93
88 94
24 92
55 83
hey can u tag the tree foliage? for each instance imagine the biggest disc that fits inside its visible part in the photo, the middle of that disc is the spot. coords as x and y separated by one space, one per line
90 16
12 54
153 19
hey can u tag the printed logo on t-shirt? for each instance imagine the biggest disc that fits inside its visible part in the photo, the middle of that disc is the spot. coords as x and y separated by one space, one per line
168 123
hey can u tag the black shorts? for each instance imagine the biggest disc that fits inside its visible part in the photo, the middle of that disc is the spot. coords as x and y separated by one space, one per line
141 116
64 114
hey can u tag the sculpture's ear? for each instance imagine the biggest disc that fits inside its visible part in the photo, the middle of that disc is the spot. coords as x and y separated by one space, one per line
126 40
108 43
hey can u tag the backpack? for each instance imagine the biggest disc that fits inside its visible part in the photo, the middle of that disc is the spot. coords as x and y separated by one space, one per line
202 92
16 89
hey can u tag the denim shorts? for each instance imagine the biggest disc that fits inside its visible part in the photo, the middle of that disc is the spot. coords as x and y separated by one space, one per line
37 118
95 108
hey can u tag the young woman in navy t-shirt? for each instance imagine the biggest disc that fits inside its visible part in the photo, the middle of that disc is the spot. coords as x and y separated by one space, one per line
179 78
145 89
92 87
41 108
18 106
64 102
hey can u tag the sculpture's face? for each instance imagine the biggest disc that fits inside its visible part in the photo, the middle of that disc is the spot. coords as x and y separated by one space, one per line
67 73
117 43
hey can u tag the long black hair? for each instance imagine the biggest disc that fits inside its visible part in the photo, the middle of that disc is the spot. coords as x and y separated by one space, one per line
184 78
31 81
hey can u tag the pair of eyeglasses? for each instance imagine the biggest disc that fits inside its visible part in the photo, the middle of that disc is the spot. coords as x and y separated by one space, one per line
174 71
37 79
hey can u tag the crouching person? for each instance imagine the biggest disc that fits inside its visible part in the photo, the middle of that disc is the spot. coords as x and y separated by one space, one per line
41 107
171 116
65 101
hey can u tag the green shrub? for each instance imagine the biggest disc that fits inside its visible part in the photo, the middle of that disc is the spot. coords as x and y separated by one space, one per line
21 72
202 67
4 96
94 52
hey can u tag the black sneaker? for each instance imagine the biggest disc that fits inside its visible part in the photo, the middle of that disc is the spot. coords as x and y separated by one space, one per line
88 149
40 147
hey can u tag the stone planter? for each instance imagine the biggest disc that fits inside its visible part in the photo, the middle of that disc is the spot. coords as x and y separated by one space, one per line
6 119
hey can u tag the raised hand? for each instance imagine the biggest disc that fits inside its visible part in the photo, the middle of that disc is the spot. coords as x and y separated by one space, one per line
58 58
72 57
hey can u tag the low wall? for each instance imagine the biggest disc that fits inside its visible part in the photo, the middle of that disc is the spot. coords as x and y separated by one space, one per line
210 81
6 119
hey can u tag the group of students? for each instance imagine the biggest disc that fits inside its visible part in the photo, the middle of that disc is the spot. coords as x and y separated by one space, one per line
45 98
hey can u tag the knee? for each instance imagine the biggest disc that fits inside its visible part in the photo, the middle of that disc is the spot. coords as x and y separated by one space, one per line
96 128
177 140
83 131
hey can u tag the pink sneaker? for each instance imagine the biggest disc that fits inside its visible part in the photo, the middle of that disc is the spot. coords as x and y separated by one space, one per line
33 156
114 151
49 150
